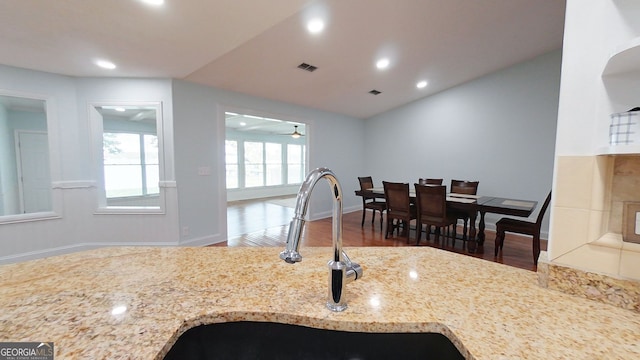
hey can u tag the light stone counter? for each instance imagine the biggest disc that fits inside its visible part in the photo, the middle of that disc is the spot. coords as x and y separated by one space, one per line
490 311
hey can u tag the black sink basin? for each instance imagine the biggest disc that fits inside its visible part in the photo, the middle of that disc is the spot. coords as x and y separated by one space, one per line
265 340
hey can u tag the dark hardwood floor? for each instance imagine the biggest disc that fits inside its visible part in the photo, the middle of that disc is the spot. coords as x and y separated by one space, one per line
266 223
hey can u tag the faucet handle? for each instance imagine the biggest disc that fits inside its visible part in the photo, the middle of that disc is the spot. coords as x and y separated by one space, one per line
354 272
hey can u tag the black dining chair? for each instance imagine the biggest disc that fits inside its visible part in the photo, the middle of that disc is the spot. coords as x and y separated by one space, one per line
371 203
430 181
431 204
467 188
400 210
522 227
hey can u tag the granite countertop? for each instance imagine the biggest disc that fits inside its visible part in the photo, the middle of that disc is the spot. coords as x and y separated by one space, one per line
490 311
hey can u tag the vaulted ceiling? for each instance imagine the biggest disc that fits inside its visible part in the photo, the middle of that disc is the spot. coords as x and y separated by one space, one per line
255 47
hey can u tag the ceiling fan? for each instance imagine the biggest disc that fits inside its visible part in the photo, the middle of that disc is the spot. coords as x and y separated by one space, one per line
295 134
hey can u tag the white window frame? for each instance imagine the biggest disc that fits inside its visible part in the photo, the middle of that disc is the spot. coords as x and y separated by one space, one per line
97 131
54 160
241 192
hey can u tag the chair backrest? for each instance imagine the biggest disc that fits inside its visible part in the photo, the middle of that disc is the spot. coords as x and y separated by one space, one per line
366 182
431 201
397 197
543 209
428 181
464 187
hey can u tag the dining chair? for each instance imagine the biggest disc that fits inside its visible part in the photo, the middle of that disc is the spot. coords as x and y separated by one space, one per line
431 203
430 181
467 188
522 227
399 207
366 182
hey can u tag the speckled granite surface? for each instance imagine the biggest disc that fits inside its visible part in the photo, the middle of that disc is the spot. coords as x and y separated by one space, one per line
622 293
488 310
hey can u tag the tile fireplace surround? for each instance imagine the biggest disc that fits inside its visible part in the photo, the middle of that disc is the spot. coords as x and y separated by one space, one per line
590 257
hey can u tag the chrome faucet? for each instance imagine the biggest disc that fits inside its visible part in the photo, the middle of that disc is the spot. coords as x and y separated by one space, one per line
341 269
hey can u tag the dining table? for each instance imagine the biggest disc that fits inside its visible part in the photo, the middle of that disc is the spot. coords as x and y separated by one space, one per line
473 205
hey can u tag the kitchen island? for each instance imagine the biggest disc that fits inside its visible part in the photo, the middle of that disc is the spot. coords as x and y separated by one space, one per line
134 302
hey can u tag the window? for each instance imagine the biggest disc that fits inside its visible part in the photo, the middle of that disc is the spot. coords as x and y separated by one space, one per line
265 164
231 156
130 164
128 157
273 161
253 164
295 163
262 153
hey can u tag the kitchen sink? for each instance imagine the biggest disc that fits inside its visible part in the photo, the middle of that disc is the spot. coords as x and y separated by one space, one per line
269 340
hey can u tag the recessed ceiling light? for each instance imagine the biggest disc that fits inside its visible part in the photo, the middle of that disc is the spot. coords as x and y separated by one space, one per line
421 84
106 64
120 109
153 2
315 26
382 63
243 123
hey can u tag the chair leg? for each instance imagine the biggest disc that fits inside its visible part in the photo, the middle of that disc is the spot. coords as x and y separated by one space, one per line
453 238
498 243
394 226
407 229
401 224
464 230
381 220
419 231
386 234
364 212
373 217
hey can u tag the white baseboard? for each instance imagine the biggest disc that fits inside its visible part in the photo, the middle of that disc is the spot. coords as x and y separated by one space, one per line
62 250
203 240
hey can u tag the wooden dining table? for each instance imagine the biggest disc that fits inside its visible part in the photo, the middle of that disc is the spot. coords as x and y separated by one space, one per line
473 205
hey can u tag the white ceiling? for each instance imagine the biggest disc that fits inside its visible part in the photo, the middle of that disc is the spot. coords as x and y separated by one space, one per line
254 47
262 125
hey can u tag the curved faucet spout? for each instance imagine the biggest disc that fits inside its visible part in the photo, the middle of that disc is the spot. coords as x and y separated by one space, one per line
341 269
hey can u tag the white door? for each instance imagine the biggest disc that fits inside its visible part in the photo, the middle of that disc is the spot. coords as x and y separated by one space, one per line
35 179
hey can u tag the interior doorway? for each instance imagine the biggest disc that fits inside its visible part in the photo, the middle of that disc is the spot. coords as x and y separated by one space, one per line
33 171
265 162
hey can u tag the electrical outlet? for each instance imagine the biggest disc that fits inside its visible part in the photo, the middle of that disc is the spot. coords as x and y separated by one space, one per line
204 171
185 231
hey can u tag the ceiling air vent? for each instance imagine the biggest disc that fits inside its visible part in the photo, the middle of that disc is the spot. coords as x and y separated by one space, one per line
307 67
375 92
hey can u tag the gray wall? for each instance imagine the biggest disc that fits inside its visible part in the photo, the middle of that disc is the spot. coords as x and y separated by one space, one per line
498 129
193 138
199 142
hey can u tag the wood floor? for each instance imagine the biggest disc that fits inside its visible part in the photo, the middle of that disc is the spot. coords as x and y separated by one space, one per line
266 223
